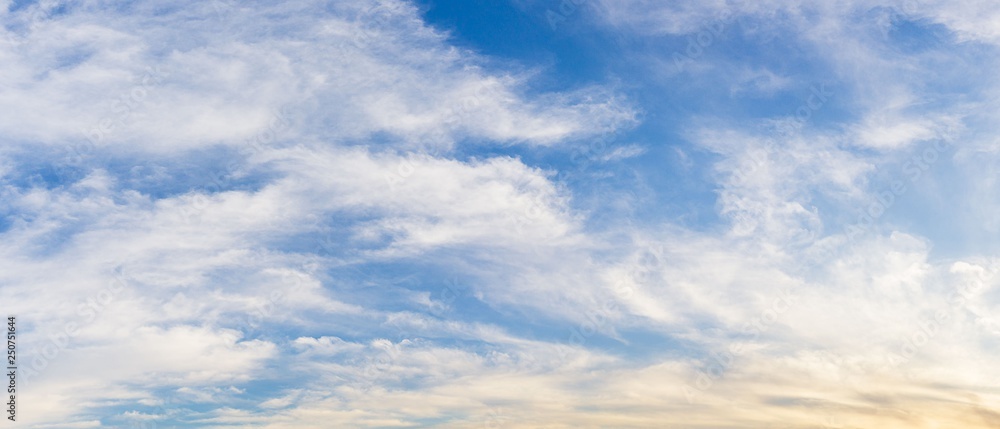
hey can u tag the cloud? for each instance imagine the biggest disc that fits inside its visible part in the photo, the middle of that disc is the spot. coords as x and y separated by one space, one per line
221 214
171 277
156 91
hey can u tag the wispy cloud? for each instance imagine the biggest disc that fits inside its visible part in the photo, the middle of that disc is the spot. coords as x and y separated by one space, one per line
336 214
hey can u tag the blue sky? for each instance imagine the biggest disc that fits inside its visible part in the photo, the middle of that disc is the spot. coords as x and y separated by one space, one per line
505 213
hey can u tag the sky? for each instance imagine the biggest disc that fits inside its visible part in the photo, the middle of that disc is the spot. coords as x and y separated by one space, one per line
501 213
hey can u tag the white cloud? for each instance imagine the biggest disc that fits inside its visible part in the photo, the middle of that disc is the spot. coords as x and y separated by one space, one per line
111 85
304 120
197 268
